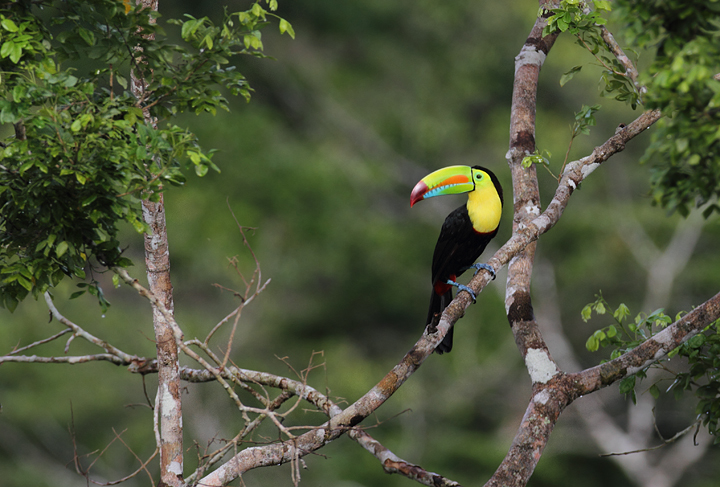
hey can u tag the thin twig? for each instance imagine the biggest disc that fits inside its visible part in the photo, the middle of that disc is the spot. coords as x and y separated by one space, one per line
40 342
143 464
78 331
665 442
75 359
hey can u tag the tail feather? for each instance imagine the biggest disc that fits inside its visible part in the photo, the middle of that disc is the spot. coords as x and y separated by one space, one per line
438 303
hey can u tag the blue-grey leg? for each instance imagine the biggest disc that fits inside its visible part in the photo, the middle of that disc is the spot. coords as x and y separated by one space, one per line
463 287
487 267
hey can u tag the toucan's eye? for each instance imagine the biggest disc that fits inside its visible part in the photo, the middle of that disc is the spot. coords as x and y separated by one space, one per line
478 176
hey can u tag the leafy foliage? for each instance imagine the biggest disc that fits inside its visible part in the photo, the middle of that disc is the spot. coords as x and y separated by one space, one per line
570 16
86 149
623 336
680 82
586 25
539 157
702 353
584 119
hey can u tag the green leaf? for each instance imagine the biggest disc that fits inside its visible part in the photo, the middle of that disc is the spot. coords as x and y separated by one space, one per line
602 5
286 27
697 341
586 313
189 27
592 343
122 81
70 81
654 391
10 302
568 75
27 284
208 41
87 36
61 249
201 170
140 227
621 312
627 386
257 10
26 165
11 50
9 25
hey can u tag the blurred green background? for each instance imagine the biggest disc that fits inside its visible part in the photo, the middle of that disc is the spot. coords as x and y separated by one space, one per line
370 97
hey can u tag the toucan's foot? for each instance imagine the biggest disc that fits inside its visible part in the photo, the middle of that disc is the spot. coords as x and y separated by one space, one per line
487 267
463 287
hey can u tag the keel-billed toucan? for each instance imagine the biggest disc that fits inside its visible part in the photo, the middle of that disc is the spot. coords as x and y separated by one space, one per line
465 233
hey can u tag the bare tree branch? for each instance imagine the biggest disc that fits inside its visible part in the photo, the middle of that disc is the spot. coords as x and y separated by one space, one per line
78 331
78 359
113 354
40 342
391 463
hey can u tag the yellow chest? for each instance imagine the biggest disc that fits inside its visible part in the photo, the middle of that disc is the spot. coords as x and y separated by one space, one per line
484 208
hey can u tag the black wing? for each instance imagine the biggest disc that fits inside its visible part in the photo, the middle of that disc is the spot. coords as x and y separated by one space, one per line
458 246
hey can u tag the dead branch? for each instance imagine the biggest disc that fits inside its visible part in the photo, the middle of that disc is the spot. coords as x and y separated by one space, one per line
141 468
78 331
113 354
665 442
391 463
77 359
40 342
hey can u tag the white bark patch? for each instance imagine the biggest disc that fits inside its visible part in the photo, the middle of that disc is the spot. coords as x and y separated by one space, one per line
542 397
665 338
572 184
169 405
532 210
633 370
155 241
539 365
586 170
509 297
529 55
543 222
176 468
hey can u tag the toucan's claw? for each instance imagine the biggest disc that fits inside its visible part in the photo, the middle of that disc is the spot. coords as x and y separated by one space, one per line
463 287
487 267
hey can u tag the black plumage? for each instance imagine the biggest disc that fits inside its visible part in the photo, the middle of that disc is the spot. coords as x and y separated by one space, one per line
457 248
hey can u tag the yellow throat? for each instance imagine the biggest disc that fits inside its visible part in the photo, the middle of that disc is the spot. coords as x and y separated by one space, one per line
484 207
